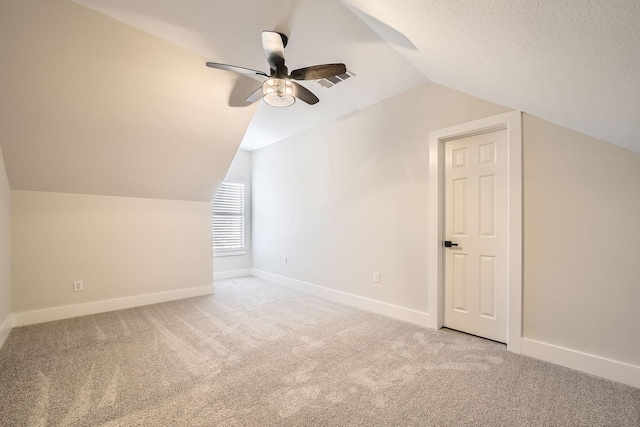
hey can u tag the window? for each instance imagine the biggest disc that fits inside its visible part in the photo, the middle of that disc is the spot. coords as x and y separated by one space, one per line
228 219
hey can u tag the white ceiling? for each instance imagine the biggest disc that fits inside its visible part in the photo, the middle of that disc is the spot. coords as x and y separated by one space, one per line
575 63
319 32
572 62
93 106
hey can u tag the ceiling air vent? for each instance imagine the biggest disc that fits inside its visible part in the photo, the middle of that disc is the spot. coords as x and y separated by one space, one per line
332 81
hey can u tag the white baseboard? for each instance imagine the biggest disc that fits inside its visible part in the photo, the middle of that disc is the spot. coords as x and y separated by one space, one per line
379 307
220 275
599 366
65 312
5 329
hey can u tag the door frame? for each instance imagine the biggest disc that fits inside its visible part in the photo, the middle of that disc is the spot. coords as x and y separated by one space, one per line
512 121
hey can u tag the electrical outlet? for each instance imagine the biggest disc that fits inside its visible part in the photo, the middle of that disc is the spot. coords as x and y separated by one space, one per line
78 286
376 276
284 260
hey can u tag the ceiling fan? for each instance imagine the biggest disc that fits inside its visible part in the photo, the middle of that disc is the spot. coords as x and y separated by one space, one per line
278 87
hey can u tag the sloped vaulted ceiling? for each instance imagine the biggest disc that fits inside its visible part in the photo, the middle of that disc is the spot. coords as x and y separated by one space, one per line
123 105
319 32
91 105
572 62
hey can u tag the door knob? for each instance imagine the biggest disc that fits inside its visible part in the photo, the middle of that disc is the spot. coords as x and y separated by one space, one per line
449 244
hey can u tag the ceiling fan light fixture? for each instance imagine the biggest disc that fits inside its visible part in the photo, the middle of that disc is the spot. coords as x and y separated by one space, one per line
278 92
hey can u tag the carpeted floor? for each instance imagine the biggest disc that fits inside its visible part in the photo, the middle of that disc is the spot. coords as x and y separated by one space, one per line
257 354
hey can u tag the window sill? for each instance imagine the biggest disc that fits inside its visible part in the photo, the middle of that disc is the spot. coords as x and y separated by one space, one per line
230 253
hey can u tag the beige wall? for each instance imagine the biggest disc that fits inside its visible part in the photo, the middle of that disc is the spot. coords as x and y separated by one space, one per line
119 246
240 170
5 244
349 198
581 234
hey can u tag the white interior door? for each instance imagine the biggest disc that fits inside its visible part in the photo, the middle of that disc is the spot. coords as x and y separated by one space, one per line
476 219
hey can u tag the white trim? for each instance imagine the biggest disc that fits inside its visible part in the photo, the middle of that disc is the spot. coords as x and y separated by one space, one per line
230 274
230 253
68 311
379 307
511 121
5 329
599 366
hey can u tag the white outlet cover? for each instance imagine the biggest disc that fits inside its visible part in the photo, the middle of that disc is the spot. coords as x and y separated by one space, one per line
78 286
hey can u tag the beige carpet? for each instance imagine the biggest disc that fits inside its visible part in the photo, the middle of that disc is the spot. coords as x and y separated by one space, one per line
256 354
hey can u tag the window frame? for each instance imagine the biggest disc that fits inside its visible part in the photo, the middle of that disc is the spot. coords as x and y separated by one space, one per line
233 251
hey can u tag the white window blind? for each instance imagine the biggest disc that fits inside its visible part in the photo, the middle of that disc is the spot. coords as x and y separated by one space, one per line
228 219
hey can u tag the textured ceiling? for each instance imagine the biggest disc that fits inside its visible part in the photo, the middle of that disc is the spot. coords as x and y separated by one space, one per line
572 62
319 32
89 104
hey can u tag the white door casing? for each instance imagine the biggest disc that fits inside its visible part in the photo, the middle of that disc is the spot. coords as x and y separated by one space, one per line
512 122
475 272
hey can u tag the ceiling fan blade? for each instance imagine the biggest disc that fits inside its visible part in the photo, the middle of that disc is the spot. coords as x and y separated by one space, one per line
304 94
273 44
258 75
256 95
316 72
